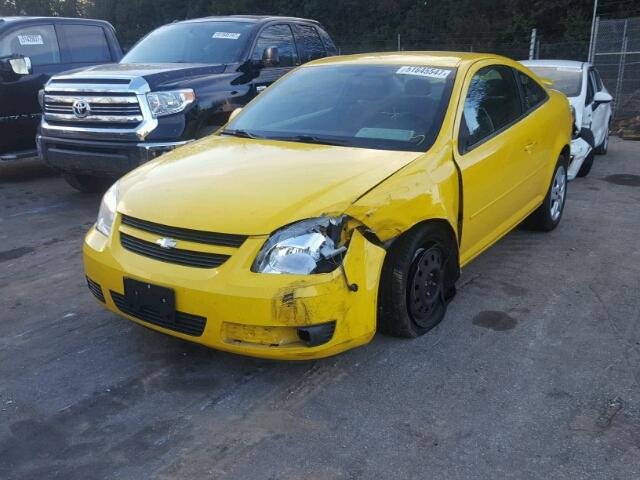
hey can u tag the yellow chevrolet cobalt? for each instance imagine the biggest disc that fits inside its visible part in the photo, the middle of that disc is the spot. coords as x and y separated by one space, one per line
342 201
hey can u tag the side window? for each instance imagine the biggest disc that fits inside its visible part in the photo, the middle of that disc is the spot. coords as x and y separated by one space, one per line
328 43
311 43
595 78
533 93
279 36
598 79
85 43
492 103
38 42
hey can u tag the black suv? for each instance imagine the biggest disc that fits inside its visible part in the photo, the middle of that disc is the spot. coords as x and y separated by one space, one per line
32 49
179 83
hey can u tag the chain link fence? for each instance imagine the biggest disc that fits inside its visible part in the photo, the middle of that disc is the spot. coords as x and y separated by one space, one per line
616 54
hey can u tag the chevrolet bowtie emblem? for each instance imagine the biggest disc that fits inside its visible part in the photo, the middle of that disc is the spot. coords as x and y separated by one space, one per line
167 242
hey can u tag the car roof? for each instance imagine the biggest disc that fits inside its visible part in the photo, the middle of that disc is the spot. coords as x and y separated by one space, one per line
432 59
250 19
552 63
31 20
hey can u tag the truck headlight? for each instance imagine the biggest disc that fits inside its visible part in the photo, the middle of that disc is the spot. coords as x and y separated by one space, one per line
107 212
303 248
169 102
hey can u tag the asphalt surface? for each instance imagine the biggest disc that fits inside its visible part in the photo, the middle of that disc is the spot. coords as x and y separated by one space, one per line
533 374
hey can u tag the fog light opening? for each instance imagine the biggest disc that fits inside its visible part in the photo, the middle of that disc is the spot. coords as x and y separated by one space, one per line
315 335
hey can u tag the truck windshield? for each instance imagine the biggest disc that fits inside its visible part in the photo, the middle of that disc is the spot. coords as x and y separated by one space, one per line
192 42
386 107
567 80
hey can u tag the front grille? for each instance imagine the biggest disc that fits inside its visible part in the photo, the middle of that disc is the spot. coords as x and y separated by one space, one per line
198 236
103 109
95 289
173 255
183 322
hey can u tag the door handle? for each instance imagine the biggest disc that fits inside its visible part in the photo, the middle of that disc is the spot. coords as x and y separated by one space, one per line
529 147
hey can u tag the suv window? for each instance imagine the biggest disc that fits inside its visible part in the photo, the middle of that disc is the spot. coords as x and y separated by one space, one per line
328 43
311 43
38 42
85 43
492 103
533 93
279 36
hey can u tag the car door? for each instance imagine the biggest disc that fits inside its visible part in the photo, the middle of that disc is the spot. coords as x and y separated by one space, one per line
599 115
492 154
19 108
279 36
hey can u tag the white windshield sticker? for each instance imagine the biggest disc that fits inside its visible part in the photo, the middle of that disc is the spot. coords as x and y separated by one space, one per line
30 40
424 72
226 35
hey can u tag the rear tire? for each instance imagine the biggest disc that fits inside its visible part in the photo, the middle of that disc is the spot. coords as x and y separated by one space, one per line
548 215
86 183
418 280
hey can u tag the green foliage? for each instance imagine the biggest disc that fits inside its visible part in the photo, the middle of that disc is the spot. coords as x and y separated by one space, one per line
354 24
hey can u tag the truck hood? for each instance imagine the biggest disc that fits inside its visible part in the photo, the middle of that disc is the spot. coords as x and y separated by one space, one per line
252 187
156 75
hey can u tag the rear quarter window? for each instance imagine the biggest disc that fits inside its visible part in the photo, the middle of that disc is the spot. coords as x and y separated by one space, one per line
309 42
84 43
533 93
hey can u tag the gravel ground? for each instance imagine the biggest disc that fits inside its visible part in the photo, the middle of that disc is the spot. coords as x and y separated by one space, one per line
533 374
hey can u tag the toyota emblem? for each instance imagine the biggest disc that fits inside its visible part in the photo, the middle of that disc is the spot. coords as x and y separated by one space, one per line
81 108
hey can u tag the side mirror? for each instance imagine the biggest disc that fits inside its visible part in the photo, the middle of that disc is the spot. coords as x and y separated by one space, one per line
602 97
16 66
271 57
235 113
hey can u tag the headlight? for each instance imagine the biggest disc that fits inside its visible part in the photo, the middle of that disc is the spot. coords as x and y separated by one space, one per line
166 103
107 212
303 248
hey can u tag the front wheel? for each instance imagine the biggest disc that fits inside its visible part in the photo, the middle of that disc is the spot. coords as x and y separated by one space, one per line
417 281
548 215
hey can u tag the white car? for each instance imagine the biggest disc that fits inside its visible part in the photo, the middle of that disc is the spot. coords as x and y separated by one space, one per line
591 106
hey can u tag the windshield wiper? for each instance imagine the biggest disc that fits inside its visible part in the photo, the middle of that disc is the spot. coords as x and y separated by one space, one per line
238 133
311 139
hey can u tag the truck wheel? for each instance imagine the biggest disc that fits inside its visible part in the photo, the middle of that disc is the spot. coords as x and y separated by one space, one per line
604 146
548 215
585 168
416 283
86 183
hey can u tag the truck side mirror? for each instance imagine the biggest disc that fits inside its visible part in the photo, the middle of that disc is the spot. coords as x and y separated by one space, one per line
270 57
20 65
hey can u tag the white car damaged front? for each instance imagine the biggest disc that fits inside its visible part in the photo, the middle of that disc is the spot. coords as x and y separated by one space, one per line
591 106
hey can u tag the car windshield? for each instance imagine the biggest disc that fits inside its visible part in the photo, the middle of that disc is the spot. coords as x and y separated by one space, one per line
567 80
388 107
192 42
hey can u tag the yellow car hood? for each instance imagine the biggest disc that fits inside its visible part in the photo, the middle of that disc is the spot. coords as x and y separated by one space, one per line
252 187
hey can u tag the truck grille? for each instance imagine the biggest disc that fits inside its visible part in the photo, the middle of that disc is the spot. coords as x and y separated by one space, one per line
121 109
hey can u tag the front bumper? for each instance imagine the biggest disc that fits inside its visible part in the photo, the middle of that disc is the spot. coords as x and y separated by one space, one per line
250 313
580 148
112 159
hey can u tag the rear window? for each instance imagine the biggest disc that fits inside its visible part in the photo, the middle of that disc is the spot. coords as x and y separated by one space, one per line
310 42
39 43
567 80
85 43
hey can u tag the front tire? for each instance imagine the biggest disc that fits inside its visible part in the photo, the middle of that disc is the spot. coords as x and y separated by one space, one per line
548 215
586 166
86 183
417 281
604 146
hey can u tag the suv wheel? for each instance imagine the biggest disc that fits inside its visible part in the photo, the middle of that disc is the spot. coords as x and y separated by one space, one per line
86 183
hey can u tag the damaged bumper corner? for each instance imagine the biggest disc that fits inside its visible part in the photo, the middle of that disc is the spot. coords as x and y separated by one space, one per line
580 148
295 317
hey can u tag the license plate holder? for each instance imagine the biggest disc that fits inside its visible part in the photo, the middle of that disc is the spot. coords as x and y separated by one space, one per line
145 296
